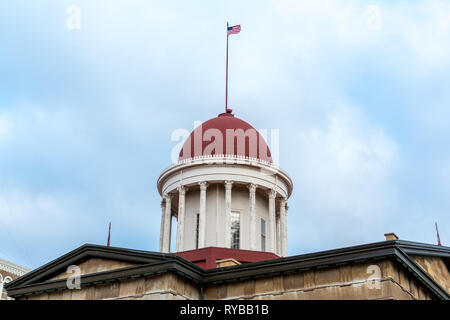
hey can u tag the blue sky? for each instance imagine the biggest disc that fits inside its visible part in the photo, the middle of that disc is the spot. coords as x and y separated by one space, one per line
358 89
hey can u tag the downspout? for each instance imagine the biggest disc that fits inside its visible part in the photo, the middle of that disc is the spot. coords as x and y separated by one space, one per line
202 296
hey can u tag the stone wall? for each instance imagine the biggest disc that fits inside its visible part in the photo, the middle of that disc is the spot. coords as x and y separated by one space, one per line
436 268
3 275
382 279
165 286
344 282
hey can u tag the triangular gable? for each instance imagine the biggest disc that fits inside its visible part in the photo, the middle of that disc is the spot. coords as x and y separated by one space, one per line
92 265
436 268
90 259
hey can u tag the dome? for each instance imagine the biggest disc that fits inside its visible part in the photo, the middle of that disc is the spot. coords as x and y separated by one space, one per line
225 135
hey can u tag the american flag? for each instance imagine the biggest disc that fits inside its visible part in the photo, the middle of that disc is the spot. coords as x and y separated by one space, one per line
234 29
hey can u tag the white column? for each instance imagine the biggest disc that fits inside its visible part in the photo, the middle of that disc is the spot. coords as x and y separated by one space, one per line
283 227
161 232
251 199
180 221
1 286
286 208
278 235
272 234
227 238
167 223
202 215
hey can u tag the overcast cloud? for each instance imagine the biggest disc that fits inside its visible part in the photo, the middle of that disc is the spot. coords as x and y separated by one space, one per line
359 91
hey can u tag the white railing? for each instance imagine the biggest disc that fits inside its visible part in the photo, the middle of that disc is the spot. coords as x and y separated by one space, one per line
226 158
13 268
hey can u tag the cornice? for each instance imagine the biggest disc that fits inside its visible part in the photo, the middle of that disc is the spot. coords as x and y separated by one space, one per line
265 167
13 268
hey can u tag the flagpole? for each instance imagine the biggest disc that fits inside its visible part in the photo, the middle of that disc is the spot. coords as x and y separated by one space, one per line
109 235
437 234
226 86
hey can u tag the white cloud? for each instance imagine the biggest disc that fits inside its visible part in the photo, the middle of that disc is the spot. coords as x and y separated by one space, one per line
422 27
32 221
101 142
5 126
342 179
426 30
28 214
310 23
345 162
441 174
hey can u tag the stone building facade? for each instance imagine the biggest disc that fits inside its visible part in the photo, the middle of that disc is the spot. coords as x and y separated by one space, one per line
8 272
391 269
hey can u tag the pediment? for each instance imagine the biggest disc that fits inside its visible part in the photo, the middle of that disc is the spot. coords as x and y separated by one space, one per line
90 259
94 265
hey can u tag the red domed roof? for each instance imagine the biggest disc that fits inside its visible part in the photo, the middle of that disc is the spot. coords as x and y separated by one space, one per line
225 135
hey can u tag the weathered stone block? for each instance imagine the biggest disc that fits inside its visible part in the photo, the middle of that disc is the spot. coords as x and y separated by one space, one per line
79 294
222 292
345 274
293 281
359 271
326 276
398 293
210 292
235 289
404 280
191 290
67 294
127 288
291 295
413 288
156 283
249 288
278 283
107 291
264 285
56 295
308 279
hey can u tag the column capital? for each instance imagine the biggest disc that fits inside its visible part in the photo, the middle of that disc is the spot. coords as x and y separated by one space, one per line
283 202
182 189
203 185
228 184
163 204
252 187
272 194
167 197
